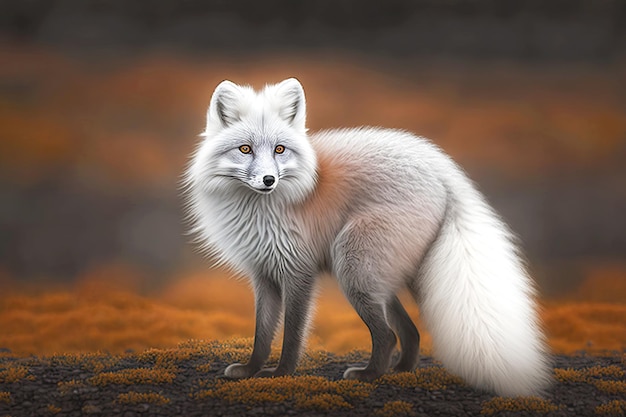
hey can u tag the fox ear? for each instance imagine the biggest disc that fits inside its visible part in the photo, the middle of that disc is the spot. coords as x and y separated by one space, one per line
224 108
292 105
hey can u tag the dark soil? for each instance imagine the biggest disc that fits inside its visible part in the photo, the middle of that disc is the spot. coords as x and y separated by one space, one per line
38 393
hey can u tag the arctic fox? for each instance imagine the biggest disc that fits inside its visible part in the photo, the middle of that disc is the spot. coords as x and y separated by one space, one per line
379 209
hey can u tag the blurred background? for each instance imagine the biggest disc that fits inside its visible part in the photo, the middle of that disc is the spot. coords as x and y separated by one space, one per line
102 101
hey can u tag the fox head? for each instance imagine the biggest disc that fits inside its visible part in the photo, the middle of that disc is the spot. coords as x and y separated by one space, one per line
256 142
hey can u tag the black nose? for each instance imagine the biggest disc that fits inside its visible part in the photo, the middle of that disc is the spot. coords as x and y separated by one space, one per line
268 180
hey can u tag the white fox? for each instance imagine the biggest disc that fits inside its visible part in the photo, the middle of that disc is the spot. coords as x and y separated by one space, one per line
379 209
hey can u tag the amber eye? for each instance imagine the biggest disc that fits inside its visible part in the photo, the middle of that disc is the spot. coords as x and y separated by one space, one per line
279 149
245 149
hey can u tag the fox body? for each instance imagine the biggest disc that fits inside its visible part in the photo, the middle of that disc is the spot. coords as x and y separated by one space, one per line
381 210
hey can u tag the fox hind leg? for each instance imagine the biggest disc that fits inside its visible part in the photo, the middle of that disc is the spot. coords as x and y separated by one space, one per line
408 334
383 338
364 264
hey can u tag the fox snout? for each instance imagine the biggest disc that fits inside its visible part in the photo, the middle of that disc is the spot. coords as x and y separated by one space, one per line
263 183
268 180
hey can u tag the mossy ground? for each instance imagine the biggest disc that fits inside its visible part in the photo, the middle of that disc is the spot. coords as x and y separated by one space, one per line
189 377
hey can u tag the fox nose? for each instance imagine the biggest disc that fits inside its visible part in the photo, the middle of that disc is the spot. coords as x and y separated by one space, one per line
268 180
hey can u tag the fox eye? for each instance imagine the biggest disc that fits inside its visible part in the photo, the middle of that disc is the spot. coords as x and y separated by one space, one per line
245 149
279 149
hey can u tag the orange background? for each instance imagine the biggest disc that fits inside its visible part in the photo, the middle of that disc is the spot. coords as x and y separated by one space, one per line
119 128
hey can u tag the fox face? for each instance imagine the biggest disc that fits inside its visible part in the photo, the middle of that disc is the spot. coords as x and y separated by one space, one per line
256 142
259 163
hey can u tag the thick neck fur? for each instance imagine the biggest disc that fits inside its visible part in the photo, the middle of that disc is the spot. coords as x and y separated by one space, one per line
260 229
271 233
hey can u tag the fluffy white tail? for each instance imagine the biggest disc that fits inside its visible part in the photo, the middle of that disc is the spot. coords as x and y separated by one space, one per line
478 301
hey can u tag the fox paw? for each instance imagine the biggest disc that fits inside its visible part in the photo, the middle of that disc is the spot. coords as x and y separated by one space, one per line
362 374
405 364
266 373
238 371
271 372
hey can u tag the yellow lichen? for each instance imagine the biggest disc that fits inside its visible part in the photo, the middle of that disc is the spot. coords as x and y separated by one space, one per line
611 387
352 388
53 409
91 409
613 408
395 408
321 394
91 361
168 358
570 375
142 397
401 379
533 404
586 374
593 376
436 378
230 351
260 390
69 387
431 378
313 359
204 368
14 373
323 401
134 376
612 371
5 397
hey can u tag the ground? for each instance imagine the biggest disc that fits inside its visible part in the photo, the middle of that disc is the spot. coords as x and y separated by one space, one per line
188 380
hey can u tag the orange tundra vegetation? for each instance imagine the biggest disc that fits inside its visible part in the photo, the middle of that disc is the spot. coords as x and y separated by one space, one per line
97 316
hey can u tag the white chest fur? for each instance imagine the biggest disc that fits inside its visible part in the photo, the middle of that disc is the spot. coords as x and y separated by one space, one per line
254 235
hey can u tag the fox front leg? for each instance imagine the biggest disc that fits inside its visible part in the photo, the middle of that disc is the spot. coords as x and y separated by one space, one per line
297 298
268 307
